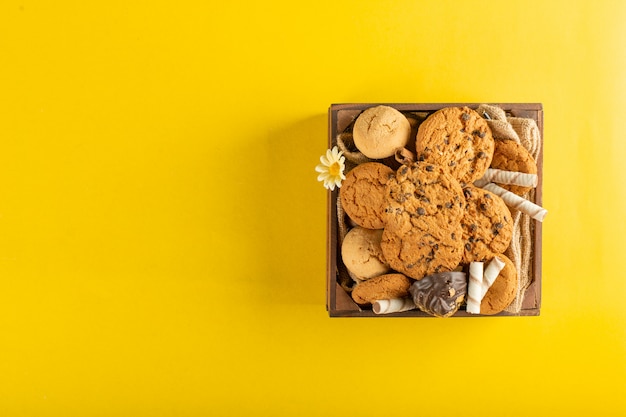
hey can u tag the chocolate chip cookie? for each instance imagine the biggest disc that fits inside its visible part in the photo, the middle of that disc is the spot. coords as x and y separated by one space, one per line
363 194
423 233
458 139
487 225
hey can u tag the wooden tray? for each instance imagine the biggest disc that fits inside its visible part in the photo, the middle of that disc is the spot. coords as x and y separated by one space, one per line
338 301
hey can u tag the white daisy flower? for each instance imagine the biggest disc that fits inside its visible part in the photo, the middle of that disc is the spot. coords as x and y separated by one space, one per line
331 168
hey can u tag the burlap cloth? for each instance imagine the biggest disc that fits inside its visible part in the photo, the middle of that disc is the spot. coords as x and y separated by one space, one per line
522 130
520 252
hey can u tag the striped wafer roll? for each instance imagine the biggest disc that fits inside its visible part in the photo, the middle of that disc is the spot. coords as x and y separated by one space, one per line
517 202
491 273
510 177
394 305
474 288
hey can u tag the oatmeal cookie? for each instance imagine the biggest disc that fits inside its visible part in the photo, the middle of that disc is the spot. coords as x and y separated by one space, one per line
380 130
362 255
502 291
509 155
363 194
383 287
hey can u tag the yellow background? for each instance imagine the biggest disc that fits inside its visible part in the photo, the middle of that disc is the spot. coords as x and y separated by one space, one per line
162 232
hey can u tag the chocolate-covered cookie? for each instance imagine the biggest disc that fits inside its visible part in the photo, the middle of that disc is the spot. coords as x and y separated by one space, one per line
440 294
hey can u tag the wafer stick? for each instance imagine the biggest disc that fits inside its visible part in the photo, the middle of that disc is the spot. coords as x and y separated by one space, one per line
491 273
474 289
517 202
510 177
394 305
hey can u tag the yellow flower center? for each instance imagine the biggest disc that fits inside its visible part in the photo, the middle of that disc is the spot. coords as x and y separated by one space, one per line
334 169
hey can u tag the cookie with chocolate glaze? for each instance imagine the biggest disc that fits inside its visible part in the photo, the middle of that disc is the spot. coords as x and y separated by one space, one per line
487 225
458 139
441 294
423 233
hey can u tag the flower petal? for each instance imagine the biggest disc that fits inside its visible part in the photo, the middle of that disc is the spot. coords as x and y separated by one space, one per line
321 168
323 176
328 160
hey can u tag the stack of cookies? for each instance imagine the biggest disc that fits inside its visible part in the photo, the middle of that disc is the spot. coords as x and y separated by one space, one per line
418 222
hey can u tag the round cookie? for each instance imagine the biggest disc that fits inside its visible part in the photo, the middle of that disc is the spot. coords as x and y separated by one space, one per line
502 291
383 287
508 155
380 130
423 233
362 255
487 225
416 253
459 139
441 294
363 193
424 196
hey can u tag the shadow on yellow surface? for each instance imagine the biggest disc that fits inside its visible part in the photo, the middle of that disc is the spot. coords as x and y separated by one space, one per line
284 182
